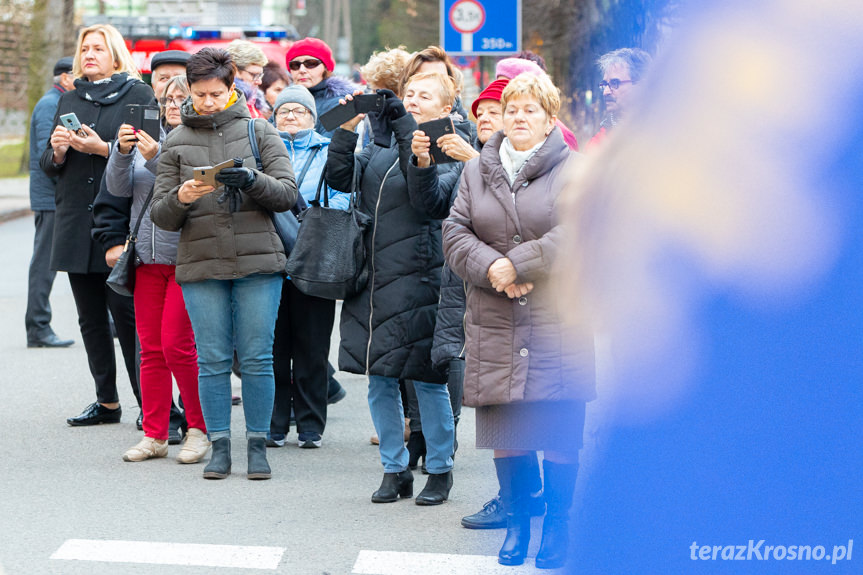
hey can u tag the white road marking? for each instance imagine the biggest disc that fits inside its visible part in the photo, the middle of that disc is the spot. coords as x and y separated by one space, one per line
238 556
399 563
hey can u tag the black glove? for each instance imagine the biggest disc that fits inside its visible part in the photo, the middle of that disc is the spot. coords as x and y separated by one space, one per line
241 178
394 109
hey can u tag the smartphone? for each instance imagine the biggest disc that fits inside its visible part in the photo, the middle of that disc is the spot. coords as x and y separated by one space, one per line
207 174
70 121
144 118
434 130
362 104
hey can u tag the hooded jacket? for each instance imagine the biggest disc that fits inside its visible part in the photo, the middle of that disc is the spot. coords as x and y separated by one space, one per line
516 349
215 242
387 329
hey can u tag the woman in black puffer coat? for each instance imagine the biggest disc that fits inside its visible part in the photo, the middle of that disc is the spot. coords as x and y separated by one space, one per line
387 330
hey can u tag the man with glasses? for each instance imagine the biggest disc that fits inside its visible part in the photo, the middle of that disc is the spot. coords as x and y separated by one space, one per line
250 61
622 70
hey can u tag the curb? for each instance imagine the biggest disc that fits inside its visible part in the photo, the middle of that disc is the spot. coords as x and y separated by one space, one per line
14 214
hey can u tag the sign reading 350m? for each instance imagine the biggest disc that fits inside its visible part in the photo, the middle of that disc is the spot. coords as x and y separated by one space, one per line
477 27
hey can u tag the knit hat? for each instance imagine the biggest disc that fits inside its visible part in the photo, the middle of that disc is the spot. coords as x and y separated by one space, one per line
512 67
314 48
63 65
492 92
169 57
296 94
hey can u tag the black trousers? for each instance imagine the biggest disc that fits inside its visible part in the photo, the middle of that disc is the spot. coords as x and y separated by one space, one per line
300 350
93 298
37 318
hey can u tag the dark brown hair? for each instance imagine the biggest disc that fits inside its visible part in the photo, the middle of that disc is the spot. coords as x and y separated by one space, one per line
211 63
273 72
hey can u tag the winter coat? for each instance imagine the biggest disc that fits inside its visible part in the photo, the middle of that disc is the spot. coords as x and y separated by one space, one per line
387 329
41 126
132 176
215 242
517 349
327 94
301 146
79 178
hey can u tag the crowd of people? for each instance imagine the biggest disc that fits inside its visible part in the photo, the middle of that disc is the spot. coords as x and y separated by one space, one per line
458 307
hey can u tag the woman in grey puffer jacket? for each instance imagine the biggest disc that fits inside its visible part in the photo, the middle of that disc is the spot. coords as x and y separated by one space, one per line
164 329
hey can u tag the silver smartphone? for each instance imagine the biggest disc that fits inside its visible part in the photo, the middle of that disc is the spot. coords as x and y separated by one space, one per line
70 121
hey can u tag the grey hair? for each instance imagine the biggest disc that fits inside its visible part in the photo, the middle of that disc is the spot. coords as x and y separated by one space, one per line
57 79
178 81
636 61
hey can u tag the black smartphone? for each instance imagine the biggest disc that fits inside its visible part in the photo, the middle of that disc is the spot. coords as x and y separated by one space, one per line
434 130
362 104
365 103
144 118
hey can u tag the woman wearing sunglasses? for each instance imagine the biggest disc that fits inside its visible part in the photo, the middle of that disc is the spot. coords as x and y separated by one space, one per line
310 63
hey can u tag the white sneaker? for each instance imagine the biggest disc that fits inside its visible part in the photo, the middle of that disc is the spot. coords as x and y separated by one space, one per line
195 447
145 449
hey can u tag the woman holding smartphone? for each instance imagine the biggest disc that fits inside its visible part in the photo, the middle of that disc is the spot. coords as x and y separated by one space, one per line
167 342
106 80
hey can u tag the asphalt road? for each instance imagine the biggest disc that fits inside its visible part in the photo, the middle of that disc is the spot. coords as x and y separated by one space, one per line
63 484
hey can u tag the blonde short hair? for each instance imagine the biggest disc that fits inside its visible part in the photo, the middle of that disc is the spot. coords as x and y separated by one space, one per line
385 68
540 88
116 45
447 87
245 54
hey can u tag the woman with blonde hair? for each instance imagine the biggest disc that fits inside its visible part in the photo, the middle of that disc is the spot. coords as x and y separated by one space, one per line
106 80
527 375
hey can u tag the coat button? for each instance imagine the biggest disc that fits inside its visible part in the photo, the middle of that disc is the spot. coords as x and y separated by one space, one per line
522 300
524 185
90 180
89 207
220 133
523 352
92 125
516 238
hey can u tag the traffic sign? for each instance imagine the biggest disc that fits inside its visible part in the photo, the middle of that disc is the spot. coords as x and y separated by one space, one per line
480 27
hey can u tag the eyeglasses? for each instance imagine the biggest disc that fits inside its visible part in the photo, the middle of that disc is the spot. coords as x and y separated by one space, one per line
176 102
255 77
614 83
310 64
298 113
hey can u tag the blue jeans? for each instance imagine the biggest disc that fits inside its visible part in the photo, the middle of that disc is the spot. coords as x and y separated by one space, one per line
237 313
385 404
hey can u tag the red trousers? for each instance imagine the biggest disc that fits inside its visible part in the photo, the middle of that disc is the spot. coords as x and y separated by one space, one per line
167 347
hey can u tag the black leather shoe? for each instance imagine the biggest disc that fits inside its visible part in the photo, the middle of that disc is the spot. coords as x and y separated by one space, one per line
491 516
393 486
175 435
336 397
94 414
139 423
436 490
50 340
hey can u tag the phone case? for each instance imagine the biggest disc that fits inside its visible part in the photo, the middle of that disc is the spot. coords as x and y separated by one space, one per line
71 122
338 115
207 174
144 118
434 130
365 103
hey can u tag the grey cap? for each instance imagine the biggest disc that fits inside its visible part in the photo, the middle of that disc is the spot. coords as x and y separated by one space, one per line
64 65
169 57
296 94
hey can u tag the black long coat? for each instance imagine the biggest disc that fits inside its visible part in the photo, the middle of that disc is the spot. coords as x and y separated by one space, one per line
387 329
79 178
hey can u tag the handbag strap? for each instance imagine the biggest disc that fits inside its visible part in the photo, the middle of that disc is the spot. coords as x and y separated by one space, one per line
253 142
134 235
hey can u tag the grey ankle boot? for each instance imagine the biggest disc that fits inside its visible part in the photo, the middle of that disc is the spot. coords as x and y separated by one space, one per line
258 466
219 466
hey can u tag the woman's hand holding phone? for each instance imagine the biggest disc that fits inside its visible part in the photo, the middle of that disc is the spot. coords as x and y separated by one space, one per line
147 146
126 138
91 143
456 147
421 148
61 140
352 124
191 190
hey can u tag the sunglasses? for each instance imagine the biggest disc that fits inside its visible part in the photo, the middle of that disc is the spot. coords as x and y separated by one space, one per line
309 64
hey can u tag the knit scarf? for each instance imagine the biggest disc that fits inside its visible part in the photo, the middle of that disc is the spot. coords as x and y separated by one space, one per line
106 91
512 160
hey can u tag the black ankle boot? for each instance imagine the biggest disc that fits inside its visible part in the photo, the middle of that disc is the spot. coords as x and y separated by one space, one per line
436 490
416 448
393 486
514 493
219 466
559 487
258 466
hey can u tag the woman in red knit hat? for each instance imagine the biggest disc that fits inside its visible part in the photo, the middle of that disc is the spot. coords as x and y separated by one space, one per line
310 62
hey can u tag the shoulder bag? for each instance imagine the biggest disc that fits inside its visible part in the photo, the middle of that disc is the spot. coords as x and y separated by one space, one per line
122 276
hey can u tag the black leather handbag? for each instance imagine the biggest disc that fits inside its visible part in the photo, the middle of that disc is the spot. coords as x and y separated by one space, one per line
329 259
122 276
